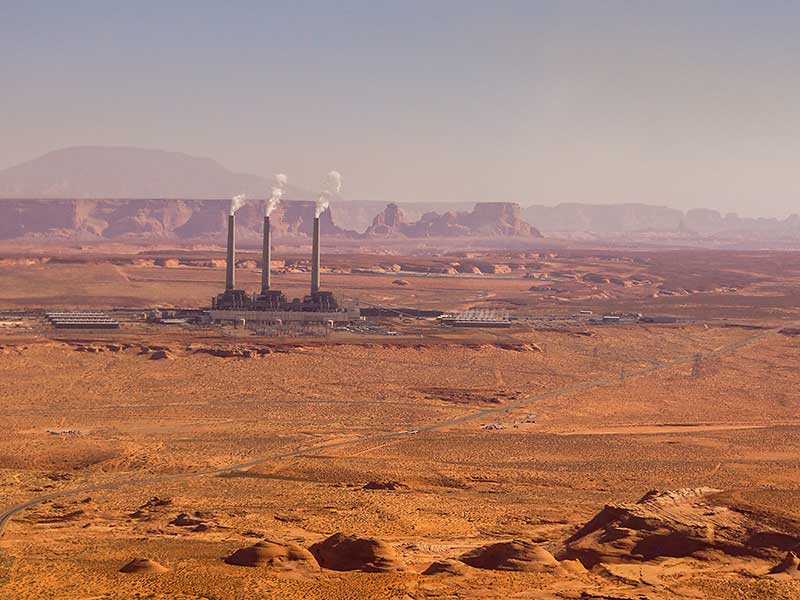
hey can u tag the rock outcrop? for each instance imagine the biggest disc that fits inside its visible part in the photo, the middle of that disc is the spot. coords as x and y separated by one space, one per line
446 567
274 555
184 520
516 555
788 568
385 485
143 566
162 355
352 553
680 523
389 222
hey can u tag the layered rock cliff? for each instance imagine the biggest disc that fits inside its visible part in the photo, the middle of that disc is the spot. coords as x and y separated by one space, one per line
153 219
635 221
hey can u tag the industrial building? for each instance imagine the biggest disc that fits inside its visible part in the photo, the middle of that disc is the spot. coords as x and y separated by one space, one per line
478 318
82 320
270 305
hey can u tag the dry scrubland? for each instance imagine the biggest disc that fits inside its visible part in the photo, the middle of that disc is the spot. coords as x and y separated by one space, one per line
189 459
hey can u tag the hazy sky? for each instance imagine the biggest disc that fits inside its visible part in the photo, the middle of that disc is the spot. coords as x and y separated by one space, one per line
679 103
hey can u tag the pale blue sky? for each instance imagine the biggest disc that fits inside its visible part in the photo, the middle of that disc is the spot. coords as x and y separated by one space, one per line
680 103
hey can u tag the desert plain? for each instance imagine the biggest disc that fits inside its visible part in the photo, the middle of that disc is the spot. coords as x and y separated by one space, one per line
562 457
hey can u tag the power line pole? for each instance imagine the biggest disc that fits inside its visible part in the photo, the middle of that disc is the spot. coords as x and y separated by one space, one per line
697 367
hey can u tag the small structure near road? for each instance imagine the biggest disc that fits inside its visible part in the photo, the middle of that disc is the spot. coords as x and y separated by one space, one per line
67 432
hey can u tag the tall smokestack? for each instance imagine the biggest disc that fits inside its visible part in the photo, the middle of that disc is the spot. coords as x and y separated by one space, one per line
333 184
315 257
266 257
230 266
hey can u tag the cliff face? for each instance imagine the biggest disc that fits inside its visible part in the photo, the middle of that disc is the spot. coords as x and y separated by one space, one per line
153 219
642 219
20 218
487 219
164 219
499 218
602 219
167 219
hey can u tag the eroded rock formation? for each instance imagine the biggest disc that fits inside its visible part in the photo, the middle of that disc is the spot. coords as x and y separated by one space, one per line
488 219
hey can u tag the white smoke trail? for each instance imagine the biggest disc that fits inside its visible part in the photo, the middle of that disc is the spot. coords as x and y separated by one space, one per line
333 184
280 181
322 204
237 202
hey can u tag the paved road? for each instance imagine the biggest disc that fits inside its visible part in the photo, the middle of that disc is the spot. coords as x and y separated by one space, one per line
12 511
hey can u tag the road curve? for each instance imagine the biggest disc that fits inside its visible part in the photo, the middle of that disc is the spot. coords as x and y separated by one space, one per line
12 511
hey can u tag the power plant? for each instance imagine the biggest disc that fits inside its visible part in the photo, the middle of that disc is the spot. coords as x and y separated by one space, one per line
272 305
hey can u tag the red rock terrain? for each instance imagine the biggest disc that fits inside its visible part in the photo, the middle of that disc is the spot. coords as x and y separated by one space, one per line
486 219
179 219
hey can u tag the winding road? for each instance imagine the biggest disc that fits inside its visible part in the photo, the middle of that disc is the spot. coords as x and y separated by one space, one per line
10 512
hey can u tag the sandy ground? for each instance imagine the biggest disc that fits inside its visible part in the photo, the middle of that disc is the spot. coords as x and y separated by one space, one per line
281 446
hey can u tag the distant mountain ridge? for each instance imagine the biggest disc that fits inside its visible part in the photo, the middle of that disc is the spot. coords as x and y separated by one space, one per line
89 184
101 172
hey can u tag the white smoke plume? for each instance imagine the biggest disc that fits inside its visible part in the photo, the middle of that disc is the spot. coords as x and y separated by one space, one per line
279 182
237 202
333 184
